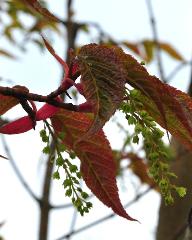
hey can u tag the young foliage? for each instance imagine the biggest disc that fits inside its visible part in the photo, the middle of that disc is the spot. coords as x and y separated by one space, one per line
13 10
35 5
104 72
25 124
97 164
103 80
168 106
146 49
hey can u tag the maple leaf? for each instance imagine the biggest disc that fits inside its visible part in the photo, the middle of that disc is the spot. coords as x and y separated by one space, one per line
103 79
97 163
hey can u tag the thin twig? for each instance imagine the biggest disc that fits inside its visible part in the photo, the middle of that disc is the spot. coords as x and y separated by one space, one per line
19 94
17 171
190 82
101 220
68 205
175 71
73 222
45 207
45 204
156 39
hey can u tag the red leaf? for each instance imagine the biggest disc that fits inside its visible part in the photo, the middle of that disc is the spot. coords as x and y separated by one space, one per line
46 111
6 103
18 126
25 124
60 60
103 80
21 125
132 46
35 5
74 71
170 107
70 74
177 109
97 164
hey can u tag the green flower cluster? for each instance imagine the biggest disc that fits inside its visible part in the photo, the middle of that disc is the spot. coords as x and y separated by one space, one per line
71 182
157 153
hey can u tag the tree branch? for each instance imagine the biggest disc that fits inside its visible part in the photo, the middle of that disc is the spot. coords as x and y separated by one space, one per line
156 39
101 220
20 94
176 70
45 207
17 171
44 203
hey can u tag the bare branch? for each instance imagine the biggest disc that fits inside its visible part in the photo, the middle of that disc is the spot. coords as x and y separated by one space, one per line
63 206
44 203
156 39
190 82
19 94
101 220
17 171
73 222
176 70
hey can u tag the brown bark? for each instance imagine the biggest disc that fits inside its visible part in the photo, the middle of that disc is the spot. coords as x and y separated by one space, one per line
44 203
72 29
172 223
173 219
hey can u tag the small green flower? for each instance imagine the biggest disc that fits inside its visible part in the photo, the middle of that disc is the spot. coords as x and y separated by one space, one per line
47 150
84 195
181 191
59 161
68 192
136 139
73 168
67 183
56 175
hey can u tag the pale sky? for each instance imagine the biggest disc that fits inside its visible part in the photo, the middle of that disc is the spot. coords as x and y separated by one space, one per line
124 20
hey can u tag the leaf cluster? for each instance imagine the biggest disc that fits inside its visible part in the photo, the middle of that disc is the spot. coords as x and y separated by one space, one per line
104 72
